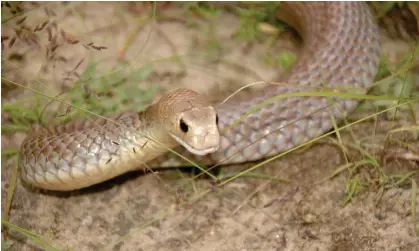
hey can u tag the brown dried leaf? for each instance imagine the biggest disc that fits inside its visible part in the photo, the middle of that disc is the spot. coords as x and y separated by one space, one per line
72 41
21 20
12 41
61 58
43 25
99 47
54 47
78 65
49 31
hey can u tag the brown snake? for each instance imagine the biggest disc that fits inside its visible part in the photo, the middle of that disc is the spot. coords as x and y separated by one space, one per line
341 50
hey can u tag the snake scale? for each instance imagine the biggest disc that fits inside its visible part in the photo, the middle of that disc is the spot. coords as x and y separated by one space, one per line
341 50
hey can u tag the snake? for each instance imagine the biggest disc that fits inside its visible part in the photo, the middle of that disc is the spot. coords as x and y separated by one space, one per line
340 53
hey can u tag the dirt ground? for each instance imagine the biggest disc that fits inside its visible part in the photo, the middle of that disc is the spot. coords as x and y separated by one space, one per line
171 210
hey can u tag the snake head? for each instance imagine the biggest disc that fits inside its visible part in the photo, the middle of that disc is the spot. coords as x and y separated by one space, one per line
190 120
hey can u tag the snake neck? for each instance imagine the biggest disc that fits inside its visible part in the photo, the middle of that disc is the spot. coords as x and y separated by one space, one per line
155 129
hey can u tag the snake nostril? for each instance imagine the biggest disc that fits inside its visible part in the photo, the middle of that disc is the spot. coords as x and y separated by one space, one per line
216 119
183 126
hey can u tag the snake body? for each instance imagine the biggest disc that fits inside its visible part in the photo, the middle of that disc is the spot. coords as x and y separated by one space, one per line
341 50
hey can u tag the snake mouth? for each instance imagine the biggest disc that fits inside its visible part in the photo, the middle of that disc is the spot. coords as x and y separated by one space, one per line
196 151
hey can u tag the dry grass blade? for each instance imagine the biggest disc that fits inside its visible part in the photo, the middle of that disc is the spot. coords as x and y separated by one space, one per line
414 205
34 237
11 189
78 65
10 193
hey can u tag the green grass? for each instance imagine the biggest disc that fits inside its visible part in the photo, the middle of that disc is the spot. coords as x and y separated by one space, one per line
94 92
414 203
250 19
394 80
97 93
39 240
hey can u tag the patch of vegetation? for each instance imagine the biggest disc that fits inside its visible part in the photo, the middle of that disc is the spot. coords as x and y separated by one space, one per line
395 80
209 12
202 9
114 92
382 8
252 16
285 59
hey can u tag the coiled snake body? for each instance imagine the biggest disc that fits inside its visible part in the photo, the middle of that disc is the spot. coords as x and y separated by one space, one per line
341 50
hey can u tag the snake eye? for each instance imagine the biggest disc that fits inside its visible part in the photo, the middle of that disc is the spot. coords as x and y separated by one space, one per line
216 119
183 126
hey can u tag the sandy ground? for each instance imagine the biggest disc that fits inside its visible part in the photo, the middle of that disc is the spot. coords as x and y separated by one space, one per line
172 211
